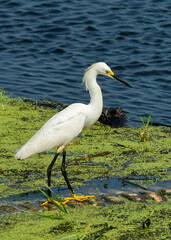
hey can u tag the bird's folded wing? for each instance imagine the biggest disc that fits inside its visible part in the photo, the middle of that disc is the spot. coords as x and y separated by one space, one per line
53 135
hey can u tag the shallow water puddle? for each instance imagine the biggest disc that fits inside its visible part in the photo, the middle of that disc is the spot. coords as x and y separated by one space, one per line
107 191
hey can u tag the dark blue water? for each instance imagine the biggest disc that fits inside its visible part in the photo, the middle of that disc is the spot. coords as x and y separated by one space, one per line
46 45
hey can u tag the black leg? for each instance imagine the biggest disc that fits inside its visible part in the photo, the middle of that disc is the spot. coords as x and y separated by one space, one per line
64 173
49 170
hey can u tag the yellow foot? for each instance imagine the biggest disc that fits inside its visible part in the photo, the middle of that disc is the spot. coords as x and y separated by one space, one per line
48 202
77 198
45 203
66 200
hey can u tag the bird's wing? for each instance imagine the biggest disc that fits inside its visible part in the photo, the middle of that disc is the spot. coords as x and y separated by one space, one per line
64 132
54 133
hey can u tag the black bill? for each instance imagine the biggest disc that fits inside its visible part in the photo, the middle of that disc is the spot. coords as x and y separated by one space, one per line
122 81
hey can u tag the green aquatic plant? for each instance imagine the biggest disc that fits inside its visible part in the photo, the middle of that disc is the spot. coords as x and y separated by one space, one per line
146 124
66 216
147 222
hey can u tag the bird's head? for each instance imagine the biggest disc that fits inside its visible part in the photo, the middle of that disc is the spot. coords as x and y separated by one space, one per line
103 69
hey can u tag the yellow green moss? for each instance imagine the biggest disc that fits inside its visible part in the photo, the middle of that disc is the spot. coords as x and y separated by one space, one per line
114 222
128 157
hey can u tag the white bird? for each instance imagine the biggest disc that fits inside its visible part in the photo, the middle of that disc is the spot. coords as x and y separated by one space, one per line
66 125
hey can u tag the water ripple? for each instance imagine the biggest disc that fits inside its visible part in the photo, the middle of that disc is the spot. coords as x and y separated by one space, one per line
45 47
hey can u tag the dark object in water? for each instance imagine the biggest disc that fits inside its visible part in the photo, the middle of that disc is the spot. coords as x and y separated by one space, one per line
114 117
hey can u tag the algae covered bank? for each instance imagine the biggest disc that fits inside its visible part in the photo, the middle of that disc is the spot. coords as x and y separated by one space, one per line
129 159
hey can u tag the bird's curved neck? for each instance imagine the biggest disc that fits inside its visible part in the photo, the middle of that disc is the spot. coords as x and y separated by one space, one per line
96 98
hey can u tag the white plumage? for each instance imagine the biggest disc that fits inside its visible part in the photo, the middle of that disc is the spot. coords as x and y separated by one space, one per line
66 125
63 127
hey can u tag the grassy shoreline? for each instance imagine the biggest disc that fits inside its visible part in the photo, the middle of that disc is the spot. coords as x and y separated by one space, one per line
129 156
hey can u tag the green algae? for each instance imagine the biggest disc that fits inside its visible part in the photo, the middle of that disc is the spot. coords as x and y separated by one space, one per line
129 157
120 222
19 123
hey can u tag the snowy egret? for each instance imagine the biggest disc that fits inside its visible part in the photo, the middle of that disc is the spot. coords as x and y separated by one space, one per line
66 125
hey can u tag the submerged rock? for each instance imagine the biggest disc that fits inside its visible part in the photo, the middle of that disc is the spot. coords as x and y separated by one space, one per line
8 209
112 199
153 195
132 196
166 192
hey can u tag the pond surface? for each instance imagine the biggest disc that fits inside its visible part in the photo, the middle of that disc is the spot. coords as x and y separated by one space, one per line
46 46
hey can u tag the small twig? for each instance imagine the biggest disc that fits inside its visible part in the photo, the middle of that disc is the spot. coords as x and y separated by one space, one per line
36 104
135 184
92 156
88 226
